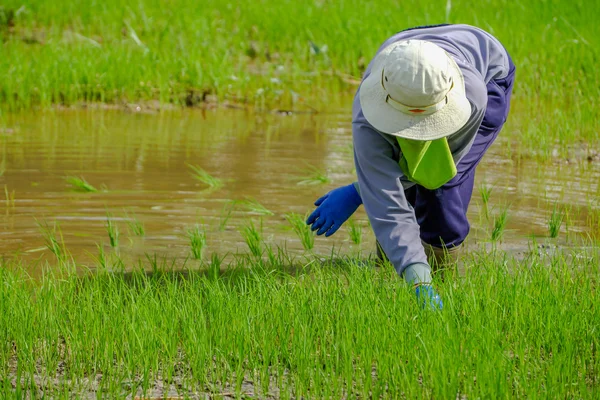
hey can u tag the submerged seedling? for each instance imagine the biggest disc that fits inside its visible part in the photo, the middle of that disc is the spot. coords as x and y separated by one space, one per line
302 230
80 185
253 238
9 198
197 238
355 231
254 206
54 240
204 177
485 192
226 214
113 231
136 227
314 176
555 221
499 225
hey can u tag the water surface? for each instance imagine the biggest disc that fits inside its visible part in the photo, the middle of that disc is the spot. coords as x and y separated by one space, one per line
139 163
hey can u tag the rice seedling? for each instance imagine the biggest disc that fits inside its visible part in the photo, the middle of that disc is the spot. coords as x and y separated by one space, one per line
197 238
253 238
314 176
499 225
113 231
254 206
355 231
204 177
79 184
555 221
485 192
54 240
298 223
9 198
136 227
226 213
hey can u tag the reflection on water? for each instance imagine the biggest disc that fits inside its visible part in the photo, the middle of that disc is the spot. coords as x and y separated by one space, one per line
139 163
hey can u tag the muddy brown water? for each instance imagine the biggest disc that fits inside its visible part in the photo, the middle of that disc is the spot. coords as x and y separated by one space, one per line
139 163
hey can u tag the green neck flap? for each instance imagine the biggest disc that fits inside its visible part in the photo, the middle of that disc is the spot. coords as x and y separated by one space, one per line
427 163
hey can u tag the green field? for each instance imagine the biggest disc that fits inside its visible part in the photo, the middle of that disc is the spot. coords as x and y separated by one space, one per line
287 54
272 323
304 328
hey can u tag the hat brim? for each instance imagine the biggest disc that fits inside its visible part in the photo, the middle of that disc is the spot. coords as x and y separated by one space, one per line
387 119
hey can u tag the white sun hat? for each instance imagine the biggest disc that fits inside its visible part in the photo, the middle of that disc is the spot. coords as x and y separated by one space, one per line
415 91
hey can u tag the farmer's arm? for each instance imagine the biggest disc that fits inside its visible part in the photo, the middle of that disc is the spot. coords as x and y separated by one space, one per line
391 216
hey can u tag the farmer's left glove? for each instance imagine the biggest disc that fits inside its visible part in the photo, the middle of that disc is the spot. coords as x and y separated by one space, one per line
334 209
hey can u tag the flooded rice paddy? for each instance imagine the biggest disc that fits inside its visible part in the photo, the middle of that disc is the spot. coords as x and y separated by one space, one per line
140 164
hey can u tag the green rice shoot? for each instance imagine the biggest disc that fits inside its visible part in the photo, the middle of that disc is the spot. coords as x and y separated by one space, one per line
252 205
355 231
313 176
499 225
112 229
555 222
253 237
303 231
197 239
136 227
204 177
79 184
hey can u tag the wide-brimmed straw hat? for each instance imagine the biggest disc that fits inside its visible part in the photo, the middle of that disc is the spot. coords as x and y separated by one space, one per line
415 91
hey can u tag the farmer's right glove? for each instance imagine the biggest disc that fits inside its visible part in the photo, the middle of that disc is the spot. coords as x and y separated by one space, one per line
419 275
334 209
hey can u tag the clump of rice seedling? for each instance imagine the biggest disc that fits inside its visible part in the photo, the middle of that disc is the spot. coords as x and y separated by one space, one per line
226 214
253 238
254 206
355 231
136 227
314 176
80 185
10 198
555 221
204 177
499 225
54 240
113 231
303 231
485 192
197 238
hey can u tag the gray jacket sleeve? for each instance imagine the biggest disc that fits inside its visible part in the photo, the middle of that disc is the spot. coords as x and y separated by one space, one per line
379 179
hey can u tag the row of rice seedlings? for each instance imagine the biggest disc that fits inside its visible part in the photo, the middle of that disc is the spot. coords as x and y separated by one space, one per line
325 333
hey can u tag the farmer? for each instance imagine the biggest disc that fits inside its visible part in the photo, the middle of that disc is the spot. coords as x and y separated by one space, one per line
431 103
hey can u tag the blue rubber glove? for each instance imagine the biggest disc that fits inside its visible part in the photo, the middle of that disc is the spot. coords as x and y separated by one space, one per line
334 209
428 297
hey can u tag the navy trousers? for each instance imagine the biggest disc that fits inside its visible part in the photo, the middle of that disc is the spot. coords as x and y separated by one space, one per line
442 213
